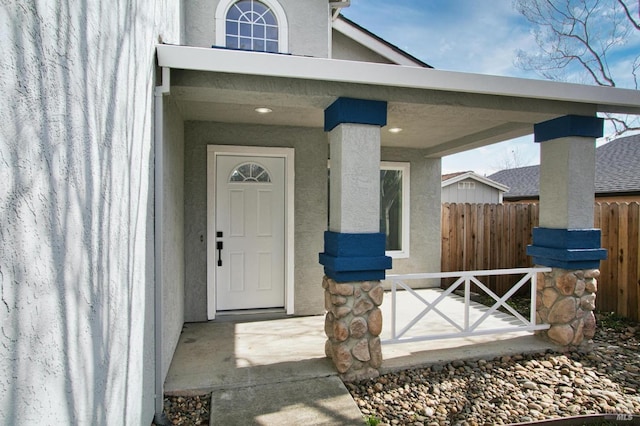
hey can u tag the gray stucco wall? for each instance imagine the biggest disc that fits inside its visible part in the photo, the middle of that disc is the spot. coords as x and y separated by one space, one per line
343 47
567 183
173 232
425 213
308 23
311 153
76 210
481 193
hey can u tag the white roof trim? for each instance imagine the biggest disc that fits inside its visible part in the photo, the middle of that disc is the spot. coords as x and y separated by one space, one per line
475 176
373 44
606 99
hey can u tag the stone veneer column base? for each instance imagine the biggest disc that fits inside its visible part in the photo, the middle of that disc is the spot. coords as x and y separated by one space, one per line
566 300
353 325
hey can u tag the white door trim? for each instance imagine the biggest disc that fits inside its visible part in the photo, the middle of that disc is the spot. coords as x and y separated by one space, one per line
251 151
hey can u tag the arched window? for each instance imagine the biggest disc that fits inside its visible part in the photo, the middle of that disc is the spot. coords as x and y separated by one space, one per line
250 172
258 25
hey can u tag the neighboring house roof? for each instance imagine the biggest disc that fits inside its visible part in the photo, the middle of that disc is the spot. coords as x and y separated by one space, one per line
451 178
448 176
523 182
617 165
373 42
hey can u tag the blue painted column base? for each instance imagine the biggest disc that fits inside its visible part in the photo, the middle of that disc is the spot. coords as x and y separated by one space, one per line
354 257
570 249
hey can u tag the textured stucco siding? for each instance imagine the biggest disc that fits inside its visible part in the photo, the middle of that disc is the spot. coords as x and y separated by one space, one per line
308 24
567 187
311 151
200 15
425 212
343 47
355 178
173 232
76 210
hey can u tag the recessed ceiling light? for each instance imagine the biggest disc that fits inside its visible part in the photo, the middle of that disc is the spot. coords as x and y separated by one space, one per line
395 130
263 110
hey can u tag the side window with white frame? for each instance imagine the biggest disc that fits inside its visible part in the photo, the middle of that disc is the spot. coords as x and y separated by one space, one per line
394 207
258 25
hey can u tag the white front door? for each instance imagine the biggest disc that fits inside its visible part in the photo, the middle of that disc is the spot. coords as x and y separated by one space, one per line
250 232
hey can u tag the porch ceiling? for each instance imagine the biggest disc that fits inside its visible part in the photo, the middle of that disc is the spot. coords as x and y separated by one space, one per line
440 112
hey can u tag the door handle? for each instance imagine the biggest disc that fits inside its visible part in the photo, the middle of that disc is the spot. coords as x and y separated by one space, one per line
219 247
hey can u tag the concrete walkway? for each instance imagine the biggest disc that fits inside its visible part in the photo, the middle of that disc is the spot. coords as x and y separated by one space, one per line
274 371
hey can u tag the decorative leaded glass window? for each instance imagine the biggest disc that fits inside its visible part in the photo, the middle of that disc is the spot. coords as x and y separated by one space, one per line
250 25
250 172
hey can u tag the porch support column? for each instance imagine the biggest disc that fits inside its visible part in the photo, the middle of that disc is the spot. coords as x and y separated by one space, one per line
566 240
354 249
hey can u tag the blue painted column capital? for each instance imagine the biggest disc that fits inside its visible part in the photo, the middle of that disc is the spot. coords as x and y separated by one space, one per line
355 111
569 125
570 249
354 257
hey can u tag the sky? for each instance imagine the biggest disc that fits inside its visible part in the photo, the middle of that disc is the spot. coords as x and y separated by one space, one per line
476 36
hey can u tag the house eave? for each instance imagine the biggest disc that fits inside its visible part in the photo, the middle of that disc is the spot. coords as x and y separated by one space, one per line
618 194
514 198
604 99
621 194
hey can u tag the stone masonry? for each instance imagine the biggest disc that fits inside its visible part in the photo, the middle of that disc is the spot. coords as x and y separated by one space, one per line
566 300
353 325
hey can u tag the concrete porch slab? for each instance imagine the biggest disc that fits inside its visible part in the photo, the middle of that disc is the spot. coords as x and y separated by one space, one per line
319 401
273 371
227 355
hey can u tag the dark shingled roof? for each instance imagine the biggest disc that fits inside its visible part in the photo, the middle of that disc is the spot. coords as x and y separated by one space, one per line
617 171
522 182
618 166
452 175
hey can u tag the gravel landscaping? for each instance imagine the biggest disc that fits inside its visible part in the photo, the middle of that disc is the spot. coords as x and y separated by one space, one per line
602 377
187 411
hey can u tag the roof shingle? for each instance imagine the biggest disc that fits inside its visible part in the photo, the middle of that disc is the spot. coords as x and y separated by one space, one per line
617 171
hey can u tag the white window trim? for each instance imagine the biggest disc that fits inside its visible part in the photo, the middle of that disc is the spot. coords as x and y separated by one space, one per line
251 151
276 8
405 168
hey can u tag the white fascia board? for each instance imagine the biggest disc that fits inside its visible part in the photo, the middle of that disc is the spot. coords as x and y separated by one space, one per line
371 43
605 99
477 177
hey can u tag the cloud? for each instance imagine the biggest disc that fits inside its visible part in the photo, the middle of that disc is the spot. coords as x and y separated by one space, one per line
456 35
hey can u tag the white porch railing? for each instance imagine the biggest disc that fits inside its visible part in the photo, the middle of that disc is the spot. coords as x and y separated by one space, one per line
466 327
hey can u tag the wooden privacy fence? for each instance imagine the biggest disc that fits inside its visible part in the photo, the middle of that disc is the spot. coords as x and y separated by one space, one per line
619 282
495 236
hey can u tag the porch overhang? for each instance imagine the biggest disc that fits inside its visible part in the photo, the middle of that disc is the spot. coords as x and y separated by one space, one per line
440 112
